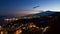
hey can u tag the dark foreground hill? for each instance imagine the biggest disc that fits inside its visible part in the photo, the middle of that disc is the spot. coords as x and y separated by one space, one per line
54 23
52 20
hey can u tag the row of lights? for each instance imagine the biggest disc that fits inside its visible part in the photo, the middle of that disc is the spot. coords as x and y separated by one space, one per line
11 19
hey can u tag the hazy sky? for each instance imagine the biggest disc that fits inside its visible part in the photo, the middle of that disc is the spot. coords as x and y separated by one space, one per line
21 7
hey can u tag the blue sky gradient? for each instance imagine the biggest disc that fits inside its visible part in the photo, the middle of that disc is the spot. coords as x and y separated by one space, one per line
26 6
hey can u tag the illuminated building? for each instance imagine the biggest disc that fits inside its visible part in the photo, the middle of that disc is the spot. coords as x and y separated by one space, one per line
19 31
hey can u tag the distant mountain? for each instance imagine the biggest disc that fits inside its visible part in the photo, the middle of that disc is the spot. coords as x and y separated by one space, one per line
42 14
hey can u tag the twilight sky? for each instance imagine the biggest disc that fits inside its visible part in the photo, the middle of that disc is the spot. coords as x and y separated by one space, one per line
23 7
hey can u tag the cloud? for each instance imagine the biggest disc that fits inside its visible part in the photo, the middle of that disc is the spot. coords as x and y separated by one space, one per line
35 7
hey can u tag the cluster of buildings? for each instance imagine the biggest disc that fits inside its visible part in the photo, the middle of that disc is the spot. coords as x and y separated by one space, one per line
18 28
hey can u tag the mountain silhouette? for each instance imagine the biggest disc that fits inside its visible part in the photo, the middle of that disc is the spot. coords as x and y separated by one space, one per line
43 13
